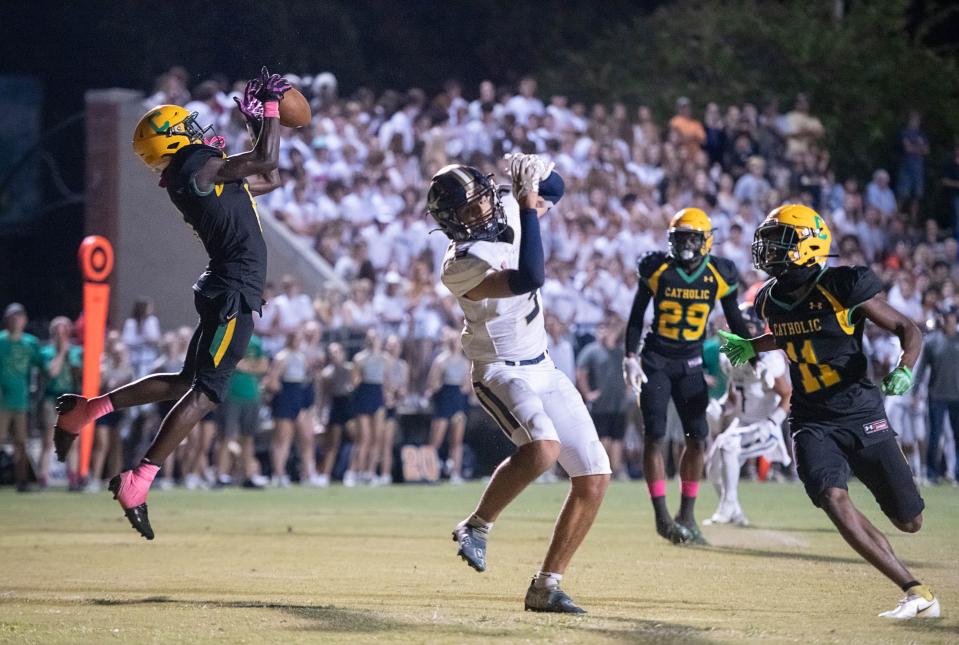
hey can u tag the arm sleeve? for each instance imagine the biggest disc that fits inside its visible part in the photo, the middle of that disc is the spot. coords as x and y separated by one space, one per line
634 328
531 272
733 316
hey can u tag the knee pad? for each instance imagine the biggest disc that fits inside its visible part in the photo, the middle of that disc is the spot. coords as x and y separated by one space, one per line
540 421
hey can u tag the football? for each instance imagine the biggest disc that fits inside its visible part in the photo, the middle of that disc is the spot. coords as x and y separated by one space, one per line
294 109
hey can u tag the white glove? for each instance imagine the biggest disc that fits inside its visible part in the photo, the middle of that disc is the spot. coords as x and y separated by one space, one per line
526 171
633 374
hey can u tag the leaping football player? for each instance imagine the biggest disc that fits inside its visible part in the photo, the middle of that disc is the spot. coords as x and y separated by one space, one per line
495 268
683 285
757 405
816 315
215 194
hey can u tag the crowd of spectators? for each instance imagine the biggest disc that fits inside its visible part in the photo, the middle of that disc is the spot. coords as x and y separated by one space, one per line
354 183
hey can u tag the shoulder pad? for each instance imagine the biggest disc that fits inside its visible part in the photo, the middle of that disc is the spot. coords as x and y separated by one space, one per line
727 269
649 263
464 256
759 303
851 285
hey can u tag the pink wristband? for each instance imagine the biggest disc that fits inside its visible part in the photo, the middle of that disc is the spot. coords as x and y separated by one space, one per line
271 110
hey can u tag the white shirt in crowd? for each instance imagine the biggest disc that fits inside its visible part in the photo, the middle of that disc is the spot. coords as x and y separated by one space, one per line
292 313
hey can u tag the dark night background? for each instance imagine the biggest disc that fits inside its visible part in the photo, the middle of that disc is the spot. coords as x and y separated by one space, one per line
877 59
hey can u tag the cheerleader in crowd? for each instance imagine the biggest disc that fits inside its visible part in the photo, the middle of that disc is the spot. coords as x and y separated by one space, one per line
448 385
336 386
395 388
290 379
369 369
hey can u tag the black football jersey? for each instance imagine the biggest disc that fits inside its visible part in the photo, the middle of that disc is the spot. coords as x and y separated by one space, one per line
226 221
821 334
683 301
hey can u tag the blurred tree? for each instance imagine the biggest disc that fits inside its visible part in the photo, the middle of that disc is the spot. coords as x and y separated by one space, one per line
861 66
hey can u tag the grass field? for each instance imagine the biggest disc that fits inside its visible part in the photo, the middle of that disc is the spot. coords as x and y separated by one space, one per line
357 565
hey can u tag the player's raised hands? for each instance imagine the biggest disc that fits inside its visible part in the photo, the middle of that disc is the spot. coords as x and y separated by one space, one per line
273 86
250 106
526 171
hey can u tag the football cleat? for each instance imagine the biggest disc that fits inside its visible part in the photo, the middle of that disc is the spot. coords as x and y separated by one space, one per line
138 516
670 530
695 535
472 543
552 600
914 605
71 417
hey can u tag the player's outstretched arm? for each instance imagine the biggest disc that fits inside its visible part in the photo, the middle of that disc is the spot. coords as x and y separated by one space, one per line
531 272
899 380
262 159
740 350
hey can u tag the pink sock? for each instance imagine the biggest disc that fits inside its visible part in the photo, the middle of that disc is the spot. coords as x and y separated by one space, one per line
657 488
99 406
689 489
135 484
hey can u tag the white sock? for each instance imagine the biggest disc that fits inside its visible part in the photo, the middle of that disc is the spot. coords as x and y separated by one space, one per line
478 523
547 580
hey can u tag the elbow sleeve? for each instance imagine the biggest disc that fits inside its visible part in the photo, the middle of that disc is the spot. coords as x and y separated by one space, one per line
634 328
531 272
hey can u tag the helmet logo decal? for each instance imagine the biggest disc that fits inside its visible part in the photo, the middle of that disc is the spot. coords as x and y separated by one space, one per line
159 129
822 233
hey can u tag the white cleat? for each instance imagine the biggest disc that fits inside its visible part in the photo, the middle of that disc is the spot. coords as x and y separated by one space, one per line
737 518
913 606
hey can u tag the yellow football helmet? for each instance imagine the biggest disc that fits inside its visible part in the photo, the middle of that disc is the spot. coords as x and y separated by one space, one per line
690 235
162 131
792 235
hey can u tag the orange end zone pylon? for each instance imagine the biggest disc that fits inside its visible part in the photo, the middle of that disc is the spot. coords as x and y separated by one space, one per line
96 263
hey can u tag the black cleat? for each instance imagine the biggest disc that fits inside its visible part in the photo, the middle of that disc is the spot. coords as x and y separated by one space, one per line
472 543
63 439
672 531
552 600
139 519
695 535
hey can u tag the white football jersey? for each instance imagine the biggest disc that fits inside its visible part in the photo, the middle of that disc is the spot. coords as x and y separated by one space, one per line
497 329
754 386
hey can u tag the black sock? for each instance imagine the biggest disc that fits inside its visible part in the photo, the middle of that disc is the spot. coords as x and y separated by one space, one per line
687 507
909 585
148 462
659 507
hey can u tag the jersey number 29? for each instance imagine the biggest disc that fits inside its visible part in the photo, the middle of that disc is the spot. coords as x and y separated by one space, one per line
672 316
